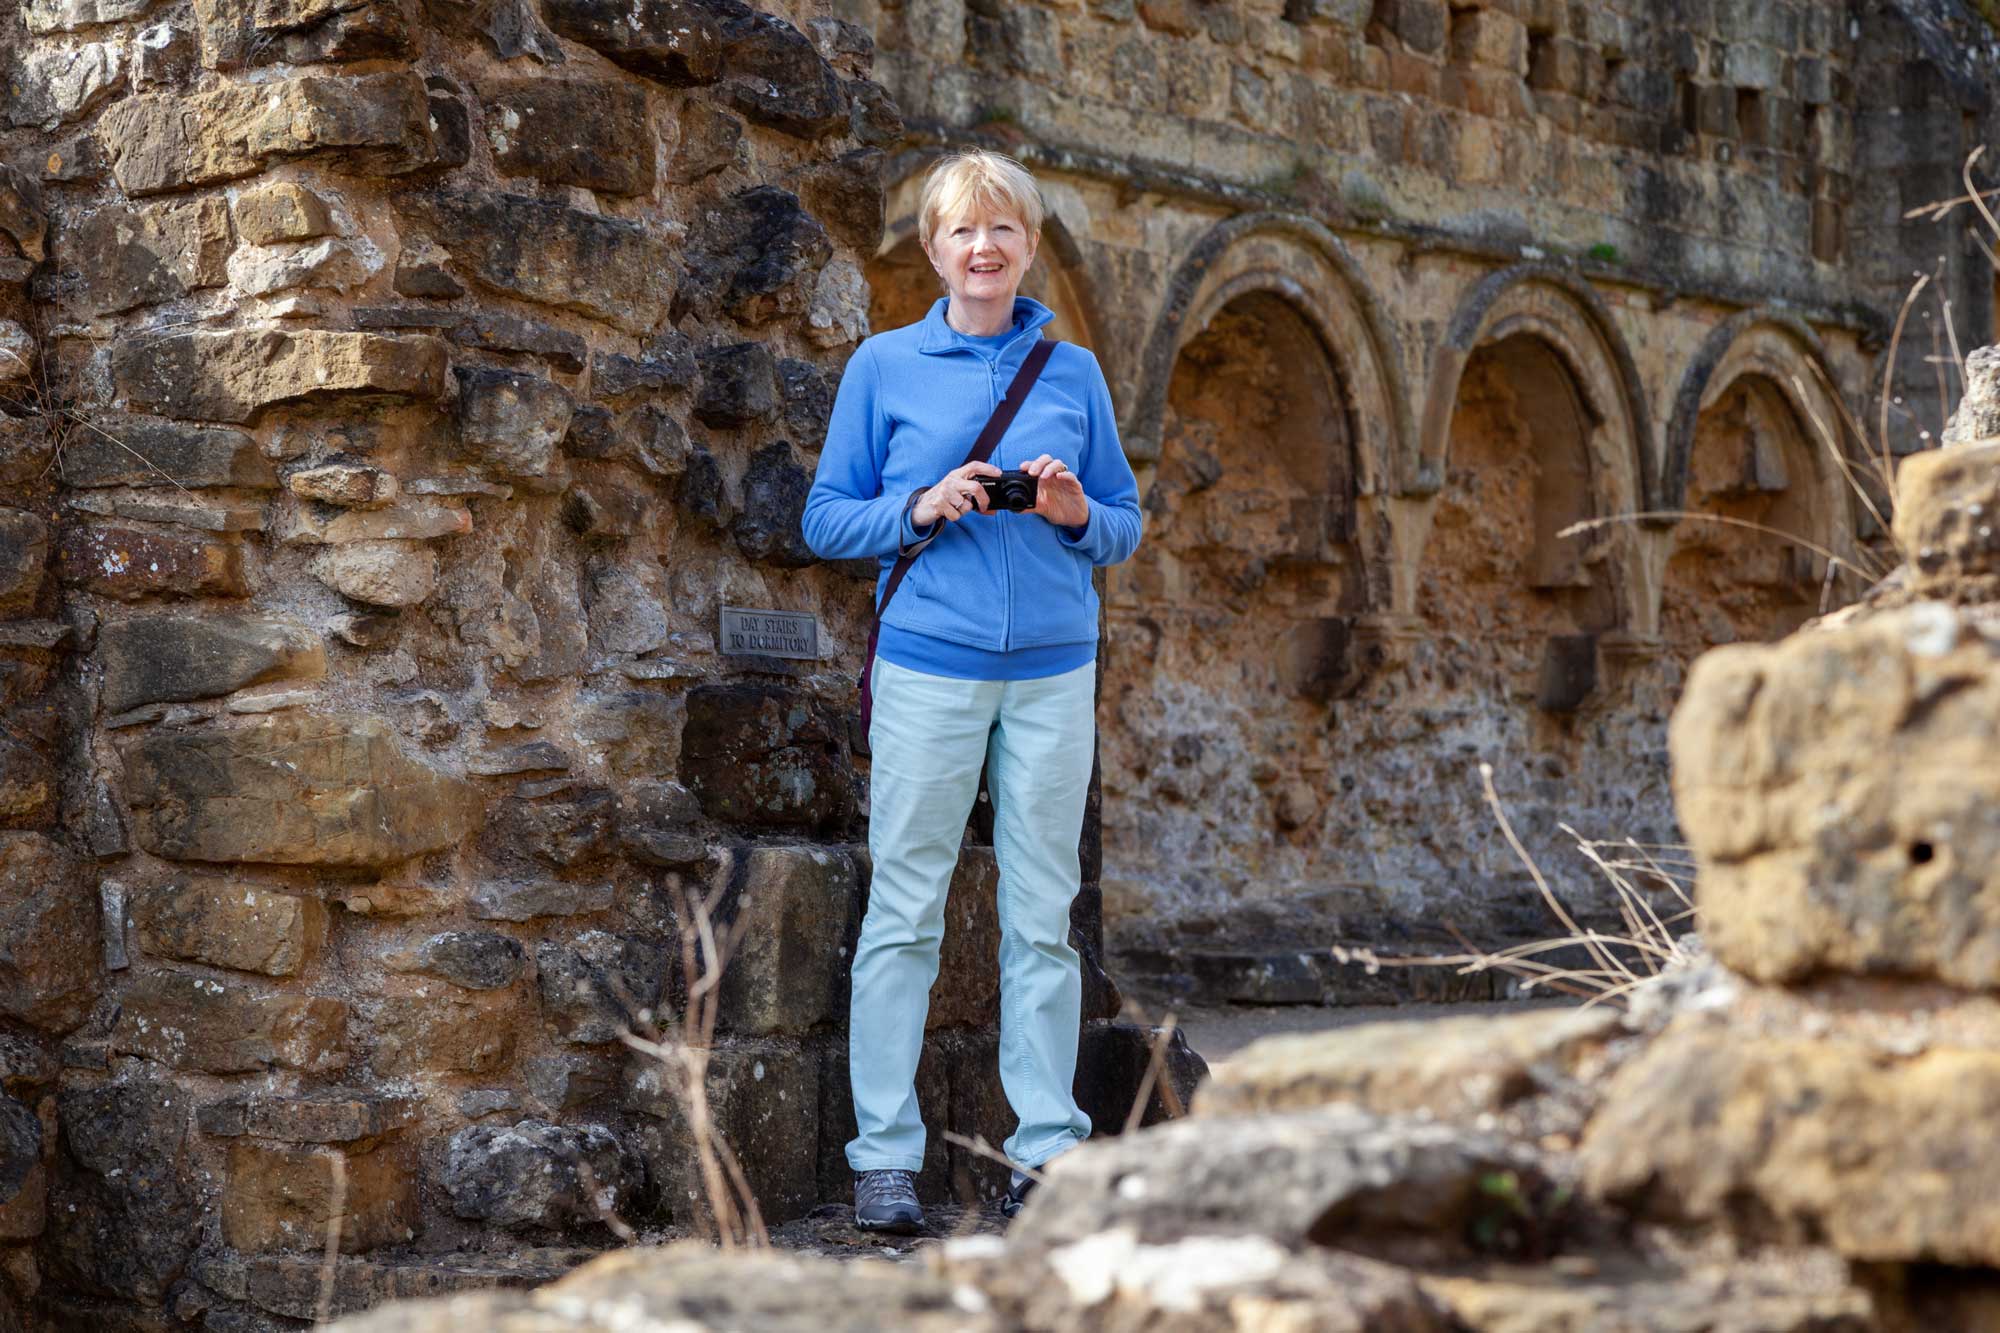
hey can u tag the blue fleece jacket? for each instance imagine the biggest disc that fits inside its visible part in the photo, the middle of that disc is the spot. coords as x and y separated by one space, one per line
1000 596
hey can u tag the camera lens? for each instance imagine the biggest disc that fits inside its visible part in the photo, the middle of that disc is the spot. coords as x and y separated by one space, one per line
1017 495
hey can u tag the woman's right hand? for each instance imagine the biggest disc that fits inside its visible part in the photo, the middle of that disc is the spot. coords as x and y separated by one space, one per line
954 497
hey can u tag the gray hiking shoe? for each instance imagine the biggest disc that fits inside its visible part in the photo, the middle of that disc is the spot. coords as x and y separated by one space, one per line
887 1201
1019 1186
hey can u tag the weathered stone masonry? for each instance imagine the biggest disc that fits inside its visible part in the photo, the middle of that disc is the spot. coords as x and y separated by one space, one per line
1390 293
393 395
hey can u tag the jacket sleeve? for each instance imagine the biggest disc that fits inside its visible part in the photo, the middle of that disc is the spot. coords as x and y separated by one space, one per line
1112 533
847 516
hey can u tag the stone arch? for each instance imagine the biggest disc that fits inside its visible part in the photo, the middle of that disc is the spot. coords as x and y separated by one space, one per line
1232 629
1582 409
902 285
1782 348
1312 269
1748 442
1565 313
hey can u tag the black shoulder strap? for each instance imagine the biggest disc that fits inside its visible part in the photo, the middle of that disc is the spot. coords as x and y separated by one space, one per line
982 450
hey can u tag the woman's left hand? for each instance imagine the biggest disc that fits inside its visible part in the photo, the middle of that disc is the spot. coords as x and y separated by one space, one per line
1059 496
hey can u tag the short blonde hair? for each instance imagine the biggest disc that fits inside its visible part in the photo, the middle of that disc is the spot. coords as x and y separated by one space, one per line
977 177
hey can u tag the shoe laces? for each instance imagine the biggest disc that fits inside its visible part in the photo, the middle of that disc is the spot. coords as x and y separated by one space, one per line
885 1188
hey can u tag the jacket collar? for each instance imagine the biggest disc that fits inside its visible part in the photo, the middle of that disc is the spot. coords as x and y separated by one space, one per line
1029 316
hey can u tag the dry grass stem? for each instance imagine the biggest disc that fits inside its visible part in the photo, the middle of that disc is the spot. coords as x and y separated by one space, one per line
1155 1062
329 1267
733 1214
1592 524
979 1147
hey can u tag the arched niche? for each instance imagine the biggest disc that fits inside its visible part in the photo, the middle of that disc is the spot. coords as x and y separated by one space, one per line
1752 449
903 285
1229 631
1559 436
1502 584
1310 267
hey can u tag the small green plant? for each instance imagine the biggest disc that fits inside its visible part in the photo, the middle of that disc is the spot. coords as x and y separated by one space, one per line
1604 253
996 115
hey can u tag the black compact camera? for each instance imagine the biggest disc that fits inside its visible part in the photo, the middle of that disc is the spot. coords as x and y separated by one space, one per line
1012 491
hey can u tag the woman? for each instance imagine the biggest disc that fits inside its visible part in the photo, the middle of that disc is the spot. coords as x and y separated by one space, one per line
987 655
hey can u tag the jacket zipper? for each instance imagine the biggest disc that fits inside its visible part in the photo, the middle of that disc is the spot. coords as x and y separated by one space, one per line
1006 551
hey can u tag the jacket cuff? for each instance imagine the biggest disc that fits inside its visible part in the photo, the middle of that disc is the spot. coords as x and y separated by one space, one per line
915 539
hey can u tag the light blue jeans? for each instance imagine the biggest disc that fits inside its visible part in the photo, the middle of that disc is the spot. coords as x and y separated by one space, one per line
928 737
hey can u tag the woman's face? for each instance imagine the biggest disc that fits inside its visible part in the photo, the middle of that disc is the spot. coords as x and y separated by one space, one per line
981 255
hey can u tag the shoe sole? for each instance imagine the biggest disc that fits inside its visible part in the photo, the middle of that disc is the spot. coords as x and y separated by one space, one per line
892 1228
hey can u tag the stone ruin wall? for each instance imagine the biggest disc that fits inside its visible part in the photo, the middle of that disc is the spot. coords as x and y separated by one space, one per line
1390 292
393 394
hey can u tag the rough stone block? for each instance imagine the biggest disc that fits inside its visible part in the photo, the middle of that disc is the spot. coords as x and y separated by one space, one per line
506 900
128 257
1422 25
151 659
764 1100
1490 37
674 42
1797 1138
28 784
1835 791
231 376
773 75
414 518
130 563
279 211
348 485
766 756
320 1117
24 219
739 385
474 959
190 1022
659 825
51 84
566 132
1456 1068
380 573
423 1034
1755 67
774 502
499 332
239 33
290 1198
756 258
291 1285
123 1205
47 16
329 791
1946 503
511 421
536 1174
24 559
171 141
1111 1064
568 834
118 449
48 967
600 984
621 272
230 924
789 973
577 1078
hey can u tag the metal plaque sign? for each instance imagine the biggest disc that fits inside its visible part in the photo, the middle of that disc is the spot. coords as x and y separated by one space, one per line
748 633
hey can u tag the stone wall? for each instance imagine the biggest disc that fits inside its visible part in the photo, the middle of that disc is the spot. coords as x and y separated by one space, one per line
1392 292
394 394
